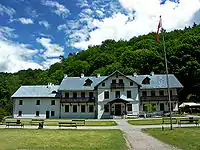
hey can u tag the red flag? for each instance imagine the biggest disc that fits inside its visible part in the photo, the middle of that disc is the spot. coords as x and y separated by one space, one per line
159 26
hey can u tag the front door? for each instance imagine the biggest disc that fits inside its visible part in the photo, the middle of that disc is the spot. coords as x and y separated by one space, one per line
117 109
47 114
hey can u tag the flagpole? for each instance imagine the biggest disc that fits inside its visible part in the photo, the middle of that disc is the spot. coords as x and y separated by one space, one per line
167 77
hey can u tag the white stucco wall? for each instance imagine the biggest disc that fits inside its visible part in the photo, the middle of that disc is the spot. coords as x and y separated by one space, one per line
134 100
29 107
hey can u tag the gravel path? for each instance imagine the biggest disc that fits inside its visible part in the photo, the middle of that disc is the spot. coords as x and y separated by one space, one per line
139 140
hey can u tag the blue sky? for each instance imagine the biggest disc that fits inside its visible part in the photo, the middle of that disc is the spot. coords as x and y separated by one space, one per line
34 33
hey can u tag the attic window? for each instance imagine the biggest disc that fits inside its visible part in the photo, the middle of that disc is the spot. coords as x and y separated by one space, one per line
53 92
88 82
146 80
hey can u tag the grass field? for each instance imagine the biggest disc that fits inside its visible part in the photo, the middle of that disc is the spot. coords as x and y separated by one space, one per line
184 138
150 121
145 122
54 122
62 139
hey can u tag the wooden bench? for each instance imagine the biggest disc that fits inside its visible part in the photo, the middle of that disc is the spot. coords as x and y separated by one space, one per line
79 122
36 121
189 121
67 124
167 120
14 123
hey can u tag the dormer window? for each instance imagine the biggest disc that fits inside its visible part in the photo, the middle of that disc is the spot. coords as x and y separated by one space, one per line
146 80
53 92
88 82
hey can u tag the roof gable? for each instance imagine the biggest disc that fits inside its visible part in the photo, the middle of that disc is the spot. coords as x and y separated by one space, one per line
117 73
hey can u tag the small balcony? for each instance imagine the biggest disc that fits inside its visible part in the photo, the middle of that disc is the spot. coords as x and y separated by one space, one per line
77 100
158 98
117 85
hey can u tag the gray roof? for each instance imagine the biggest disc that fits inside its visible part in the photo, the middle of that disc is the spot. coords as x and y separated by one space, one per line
157 81
36 91
77 83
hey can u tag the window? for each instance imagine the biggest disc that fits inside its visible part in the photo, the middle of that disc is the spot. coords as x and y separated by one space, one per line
144 93
146 80
53 102
120 80
19 113
117 94
153 93
128 94
129 107
74 108
20 102
74 95
82 108
161 106
37 113
88 82
103 84
82 94
131 83
91 94
91 108
38 102
161 93
67 95
66 108
106 95
52 113
171 92
106 108
113 81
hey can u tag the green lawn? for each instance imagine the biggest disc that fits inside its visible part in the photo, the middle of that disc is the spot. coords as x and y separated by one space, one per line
151 121
145 122
54 122
184 138
62 139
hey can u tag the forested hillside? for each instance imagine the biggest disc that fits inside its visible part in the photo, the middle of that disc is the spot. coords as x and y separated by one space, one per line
140 54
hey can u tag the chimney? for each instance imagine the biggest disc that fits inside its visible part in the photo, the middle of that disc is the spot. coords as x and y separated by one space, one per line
152 73
135 74
98 75
49 85
82 75
65 75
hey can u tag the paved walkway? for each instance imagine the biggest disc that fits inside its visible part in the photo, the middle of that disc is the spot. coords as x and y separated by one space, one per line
139 140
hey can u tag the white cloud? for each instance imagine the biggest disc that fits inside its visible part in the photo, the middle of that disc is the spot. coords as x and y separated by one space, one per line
6 10
82 3
31 12
51 50
60 10
49 62
62 27
15 56
141 18
18 56
25 20
44 23
6 32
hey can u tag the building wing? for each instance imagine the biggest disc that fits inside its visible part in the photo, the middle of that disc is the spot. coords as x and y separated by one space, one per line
37 91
